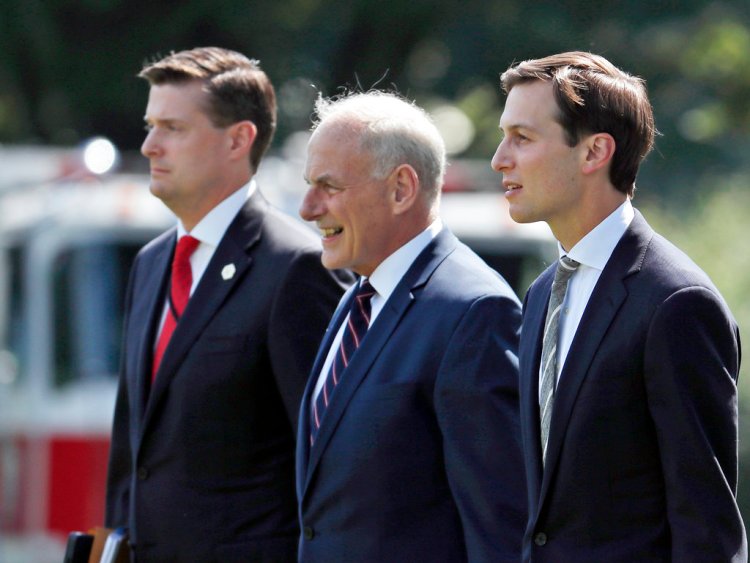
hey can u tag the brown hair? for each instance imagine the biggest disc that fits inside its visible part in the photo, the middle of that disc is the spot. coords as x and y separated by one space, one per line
594 96
237 89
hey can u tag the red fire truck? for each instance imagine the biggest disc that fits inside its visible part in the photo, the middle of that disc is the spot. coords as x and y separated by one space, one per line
66 246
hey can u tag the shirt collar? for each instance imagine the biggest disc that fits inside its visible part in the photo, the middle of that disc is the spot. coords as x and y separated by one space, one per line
386 276
597 246
212 227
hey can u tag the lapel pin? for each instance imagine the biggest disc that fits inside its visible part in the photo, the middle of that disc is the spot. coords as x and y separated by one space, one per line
228 271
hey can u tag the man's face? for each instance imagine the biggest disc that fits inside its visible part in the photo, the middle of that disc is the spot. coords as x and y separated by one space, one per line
187 153
349 206
541 173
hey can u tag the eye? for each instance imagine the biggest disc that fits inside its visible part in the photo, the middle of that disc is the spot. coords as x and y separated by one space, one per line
330 190
163 126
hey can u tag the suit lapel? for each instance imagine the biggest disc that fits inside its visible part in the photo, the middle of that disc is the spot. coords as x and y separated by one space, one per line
153 287
212 290
534 315
379 334
608 296
303 427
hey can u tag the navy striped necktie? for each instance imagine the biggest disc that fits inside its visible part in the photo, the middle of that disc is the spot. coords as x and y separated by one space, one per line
357 324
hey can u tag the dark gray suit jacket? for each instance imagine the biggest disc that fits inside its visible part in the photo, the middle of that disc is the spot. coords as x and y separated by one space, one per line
642 454
202 464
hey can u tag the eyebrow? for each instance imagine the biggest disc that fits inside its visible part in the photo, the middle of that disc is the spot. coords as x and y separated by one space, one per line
515 127
147 119
322 179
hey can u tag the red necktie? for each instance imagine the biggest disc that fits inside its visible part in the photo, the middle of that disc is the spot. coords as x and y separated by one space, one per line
179 293
357 325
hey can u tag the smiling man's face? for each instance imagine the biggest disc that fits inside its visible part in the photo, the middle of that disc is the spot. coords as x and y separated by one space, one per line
350 206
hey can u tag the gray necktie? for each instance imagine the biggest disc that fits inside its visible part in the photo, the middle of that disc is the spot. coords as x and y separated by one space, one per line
565 268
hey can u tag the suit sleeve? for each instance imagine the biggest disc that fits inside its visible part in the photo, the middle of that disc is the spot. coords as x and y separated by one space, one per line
120 463
303 305
691 367
477 406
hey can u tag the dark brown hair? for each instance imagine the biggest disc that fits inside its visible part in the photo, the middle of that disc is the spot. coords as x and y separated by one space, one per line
594 96
237 89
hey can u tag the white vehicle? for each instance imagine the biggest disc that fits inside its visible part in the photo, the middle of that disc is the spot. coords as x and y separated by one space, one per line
65 251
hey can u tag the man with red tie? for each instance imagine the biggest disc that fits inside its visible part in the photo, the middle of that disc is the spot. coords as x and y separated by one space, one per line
409 445
223 317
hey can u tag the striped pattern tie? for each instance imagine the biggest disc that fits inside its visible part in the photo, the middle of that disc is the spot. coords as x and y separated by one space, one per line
565 269
356 327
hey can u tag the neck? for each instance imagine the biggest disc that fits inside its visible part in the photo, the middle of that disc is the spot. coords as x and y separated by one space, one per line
587 217
192 213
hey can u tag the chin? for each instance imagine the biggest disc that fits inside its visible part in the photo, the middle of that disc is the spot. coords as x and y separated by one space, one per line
520 217
331 263
157 190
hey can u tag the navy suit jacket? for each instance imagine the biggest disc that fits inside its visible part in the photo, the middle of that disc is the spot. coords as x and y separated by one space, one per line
202 464
642 453
418 456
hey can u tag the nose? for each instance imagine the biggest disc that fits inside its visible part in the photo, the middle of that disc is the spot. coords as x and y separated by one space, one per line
150 147
312 206
500 160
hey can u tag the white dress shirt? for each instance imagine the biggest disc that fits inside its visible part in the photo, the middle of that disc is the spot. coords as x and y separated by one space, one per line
384 280
592 252
209 231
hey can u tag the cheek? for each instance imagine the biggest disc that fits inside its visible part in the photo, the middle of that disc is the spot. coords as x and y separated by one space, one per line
354 229
545 173
374 230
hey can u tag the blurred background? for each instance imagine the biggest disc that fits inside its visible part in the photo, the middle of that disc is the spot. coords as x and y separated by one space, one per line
69 228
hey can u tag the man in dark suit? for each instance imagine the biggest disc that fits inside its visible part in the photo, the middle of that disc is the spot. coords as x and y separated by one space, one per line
628 376
408 446
202 458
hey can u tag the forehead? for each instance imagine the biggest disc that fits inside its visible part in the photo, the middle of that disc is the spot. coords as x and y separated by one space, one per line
529 105
335 150
175 101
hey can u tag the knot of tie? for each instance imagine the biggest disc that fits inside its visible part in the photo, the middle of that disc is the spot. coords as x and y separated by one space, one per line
565 268
362 300
182 274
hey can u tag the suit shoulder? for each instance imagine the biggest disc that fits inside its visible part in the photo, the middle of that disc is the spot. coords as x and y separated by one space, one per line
669 268
288 234
156 245
466 274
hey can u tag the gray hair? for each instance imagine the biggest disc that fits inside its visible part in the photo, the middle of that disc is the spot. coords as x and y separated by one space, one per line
394 130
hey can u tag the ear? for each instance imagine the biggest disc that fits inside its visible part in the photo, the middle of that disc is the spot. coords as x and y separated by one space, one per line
242 136
600 148
404 188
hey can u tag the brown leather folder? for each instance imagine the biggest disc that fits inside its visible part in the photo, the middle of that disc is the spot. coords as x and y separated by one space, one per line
116 548
109 546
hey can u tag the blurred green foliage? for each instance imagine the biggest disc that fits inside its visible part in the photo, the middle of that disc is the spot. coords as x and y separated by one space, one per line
67 72
712 233
67 68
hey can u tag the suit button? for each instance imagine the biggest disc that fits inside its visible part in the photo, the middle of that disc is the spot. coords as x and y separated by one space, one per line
540 539
308 533
142 473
